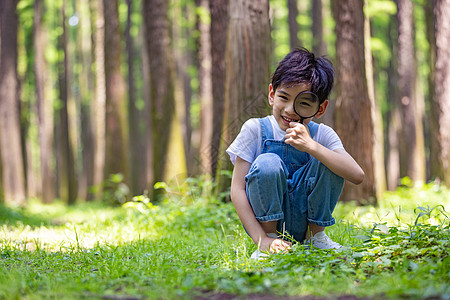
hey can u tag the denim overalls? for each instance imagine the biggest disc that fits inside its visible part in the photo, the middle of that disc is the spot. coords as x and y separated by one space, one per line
290 186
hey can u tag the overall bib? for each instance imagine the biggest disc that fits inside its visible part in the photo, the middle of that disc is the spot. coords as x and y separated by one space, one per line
290 186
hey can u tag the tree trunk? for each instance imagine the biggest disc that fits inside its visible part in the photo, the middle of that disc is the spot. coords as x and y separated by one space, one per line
293 25
319 47
87 95
116 159
12 159
136 160
183 58
247 70
166 136
353 108
100 100
393 123
44 107
68 184
378 138
219 29
441 101
409 147
205 89
433 164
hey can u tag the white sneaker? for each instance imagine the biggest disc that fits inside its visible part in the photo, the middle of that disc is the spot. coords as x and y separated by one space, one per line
322 241
258 255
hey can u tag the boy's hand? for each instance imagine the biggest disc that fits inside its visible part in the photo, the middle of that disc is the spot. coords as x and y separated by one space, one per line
275 245
298 136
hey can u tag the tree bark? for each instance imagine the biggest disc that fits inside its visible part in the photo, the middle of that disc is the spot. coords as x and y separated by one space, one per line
12 159
247 70
87 95
68 183
136 160
165 117
44 107
410 158
441 101
319 47
100 100
205 89
378 137
219 28
293 25
353 108
393 123
116 159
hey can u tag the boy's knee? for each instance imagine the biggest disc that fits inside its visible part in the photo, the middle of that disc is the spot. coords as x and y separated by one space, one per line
267 164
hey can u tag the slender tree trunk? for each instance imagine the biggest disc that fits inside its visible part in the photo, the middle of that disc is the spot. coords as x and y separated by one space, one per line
45 115
433 165
168 160
441 103
407 71
116 160
149 175
319 46
136 160
378 138
354 122
205 89
100 100
247 69
87 99
393 116
68 184
219 29
183 55
12 159
293 25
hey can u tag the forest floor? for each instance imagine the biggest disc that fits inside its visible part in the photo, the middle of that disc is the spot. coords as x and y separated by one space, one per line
192 246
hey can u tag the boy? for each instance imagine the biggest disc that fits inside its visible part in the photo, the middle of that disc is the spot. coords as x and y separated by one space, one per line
288 170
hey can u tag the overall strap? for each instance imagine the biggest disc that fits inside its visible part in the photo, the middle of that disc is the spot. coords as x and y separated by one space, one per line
313 128
266 129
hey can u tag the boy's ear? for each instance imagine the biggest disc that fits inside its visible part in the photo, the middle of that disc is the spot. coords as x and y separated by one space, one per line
322 109
271 94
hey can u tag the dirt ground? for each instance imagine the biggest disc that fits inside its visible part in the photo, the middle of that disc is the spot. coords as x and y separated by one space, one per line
223 296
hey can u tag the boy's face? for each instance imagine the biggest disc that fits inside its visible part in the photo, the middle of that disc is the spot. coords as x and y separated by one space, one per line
282 102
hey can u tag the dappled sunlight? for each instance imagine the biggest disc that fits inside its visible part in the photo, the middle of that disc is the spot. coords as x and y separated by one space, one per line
399 208
79 228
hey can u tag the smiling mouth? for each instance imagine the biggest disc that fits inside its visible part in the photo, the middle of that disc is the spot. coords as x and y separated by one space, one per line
289 119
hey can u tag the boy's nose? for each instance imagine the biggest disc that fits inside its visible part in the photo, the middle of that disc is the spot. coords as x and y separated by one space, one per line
289 108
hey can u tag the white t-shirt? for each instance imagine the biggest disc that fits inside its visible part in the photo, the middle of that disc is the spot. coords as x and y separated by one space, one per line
248 143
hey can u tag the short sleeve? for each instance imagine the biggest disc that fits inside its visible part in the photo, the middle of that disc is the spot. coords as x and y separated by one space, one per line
328 138
247 143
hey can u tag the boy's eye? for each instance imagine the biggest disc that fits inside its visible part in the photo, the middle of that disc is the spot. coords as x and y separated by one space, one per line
284 98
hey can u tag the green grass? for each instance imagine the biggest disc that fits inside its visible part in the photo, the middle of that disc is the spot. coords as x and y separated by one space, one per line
191 245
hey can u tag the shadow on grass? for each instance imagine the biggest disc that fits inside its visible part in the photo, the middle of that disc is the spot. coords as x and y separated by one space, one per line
14 216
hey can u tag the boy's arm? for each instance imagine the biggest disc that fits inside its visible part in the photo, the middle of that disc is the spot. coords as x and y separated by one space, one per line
245 211
338 161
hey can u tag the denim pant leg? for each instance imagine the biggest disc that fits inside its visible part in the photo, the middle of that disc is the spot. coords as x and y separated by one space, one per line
318 190
266 187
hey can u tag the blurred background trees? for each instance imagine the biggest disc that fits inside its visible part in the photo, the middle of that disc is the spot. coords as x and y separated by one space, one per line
102 99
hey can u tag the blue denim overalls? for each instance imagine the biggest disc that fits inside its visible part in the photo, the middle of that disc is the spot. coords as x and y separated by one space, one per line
290 186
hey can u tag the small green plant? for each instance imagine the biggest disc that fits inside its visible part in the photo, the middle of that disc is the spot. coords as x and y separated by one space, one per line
115 191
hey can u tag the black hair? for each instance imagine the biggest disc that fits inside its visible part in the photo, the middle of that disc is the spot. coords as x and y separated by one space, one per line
301 66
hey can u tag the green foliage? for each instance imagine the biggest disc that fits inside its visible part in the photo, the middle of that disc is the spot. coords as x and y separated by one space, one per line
191 244
115 190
